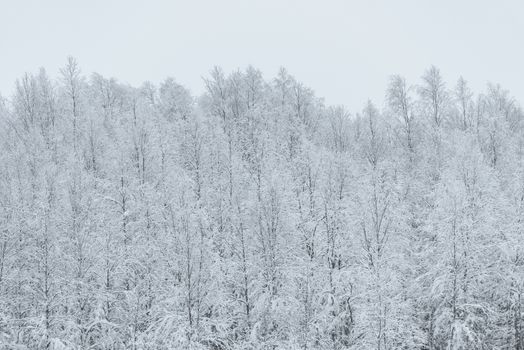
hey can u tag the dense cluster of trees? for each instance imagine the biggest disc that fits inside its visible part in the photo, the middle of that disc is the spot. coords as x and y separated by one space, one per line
256 217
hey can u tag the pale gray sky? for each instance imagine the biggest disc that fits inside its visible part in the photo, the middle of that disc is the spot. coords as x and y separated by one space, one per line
344 50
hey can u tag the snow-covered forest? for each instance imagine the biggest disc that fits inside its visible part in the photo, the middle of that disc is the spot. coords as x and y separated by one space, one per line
255 216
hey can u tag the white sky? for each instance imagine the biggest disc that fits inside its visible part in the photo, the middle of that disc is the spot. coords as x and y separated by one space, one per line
344 50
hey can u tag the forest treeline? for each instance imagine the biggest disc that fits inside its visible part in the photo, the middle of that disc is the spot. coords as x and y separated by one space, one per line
255 216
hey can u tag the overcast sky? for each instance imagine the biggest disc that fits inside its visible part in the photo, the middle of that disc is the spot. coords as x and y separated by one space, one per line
344 50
